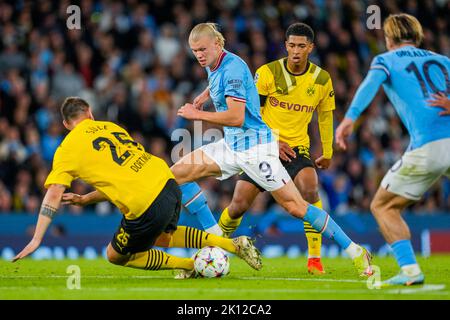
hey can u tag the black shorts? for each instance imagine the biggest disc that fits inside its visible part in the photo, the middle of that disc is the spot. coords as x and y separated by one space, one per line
303 160
162 216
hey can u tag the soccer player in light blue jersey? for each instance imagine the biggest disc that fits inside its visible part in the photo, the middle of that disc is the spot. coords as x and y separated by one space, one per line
249 144
411 77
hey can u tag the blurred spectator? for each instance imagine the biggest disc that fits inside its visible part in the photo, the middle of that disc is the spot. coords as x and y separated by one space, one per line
133 61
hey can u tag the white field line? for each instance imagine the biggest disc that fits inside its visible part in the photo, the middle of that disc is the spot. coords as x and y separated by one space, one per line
424 288
428 290
169 277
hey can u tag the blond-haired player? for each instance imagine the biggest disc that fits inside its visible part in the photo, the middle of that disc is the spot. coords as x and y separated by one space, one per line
410 76
291 89
248 144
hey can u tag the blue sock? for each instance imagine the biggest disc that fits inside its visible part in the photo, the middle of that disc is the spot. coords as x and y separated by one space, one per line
322 222
195 203
403 252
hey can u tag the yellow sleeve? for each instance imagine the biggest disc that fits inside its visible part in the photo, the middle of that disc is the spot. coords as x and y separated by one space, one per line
264 81
325 118
327 103
61 169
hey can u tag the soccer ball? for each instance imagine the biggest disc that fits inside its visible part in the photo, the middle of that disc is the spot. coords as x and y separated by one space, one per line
211 262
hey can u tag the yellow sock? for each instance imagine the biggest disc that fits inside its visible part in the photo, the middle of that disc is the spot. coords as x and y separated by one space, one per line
187 237
314 238
158 260
228 224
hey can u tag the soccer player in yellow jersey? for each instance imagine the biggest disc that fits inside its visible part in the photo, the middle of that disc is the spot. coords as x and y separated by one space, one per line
141 185
290 90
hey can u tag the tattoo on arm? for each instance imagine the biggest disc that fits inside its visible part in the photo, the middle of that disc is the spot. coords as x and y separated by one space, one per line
48 211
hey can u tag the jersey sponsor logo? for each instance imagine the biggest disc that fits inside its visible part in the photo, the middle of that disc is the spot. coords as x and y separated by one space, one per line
274 102
235 83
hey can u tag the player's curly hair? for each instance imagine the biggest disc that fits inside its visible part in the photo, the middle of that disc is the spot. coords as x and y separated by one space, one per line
300 29
402 27
207 28
72 107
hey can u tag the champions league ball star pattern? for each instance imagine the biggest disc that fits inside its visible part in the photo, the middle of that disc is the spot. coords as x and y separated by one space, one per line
211 262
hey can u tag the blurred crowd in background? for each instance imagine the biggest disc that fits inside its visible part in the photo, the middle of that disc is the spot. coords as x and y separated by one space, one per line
131 61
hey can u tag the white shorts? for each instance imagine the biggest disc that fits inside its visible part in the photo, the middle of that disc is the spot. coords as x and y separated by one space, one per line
260 162
417 170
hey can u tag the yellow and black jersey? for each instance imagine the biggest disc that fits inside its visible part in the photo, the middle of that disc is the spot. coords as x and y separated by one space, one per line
291 100
106 157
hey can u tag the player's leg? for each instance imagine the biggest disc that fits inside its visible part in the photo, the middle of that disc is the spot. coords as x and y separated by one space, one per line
270 174
290 199
194 166
196 204
244 195
200 163
307 183
132 243
188 237
151 259
387 208
405 182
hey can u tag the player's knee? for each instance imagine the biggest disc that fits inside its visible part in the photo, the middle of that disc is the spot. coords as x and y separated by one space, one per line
376 207
311 196
180 173
115 258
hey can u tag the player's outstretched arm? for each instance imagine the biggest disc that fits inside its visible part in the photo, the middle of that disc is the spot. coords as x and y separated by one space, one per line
50 205
363 97
440 100
343 131
84 199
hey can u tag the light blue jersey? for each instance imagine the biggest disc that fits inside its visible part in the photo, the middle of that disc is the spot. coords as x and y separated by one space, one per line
231 77
409 76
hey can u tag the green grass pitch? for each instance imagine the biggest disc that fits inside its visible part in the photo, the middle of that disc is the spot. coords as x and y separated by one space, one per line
280 279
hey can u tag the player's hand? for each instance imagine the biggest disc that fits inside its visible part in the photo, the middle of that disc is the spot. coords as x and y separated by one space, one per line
343 131
323 163
188 111
73 199
200 100
440 100
286 152
29 249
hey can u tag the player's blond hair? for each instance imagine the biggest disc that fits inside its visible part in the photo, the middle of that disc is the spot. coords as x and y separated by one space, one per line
206 29
402 28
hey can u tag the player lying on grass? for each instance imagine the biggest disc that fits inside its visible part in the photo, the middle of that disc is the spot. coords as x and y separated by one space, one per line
408 75
290 90
141 185
248 144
